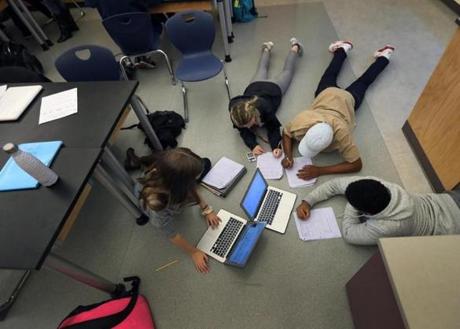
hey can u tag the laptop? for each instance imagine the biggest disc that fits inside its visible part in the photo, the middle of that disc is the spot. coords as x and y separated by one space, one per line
15 100
267 204
233 241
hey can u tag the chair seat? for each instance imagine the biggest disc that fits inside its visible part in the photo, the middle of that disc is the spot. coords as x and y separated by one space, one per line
198 67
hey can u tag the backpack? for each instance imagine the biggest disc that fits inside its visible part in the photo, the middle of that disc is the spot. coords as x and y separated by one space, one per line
244 10
12 54
167 125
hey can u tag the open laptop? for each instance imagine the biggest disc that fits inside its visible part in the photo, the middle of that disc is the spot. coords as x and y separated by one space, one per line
232 241
15 100
263 203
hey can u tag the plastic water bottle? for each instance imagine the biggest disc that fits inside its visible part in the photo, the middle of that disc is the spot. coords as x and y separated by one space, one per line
31 165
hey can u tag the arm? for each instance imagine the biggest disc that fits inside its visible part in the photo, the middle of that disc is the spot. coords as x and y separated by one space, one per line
248 137
311 171
333 187
199 258
211 216
355 232
273 131
287 147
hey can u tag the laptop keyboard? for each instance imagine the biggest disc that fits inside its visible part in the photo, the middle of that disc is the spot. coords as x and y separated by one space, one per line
226 237
268 210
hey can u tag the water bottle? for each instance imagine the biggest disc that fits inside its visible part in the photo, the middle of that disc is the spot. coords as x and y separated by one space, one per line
31 165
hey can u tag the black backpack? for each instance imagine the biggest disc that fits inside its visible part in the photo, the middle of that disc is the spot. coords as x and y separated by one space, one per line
167 125
12 54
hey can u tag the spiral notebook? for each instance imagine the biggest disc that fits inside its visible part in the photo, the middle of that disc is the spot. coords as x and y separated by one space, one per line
12 177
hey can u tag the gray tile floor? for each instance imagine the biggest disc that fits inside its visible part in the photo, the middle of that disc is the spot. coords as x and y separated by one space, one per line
310 279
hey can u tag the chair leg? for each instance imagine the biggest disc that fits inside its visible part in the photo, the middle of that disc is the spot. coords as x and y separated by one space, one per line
122 67
227 85
168 63
82 12
184 96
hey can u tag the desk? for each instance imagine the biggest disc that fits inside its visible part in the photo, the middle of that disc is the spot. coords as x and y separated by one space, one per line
32 219
413 282
224 8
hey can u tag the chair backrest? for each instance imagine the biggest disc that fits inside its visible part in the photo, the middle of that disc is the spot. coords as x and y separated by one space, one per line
134 33
191 31
18 74
99 66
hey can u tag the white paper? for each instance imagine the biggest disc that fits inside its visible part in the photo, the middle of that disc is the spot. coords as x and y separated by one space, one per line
291 173
223 172
2 90
58 106
319 226
269 166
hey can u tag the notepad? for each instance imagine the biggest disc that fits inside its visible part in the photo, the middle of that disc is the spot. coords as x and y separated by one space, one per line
269 166
319 226
291 173
223 176
12 177
15 100
58 106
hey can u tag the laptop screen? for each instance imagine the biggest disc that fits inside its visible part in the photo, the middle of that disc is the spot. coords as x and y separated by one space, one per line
254 195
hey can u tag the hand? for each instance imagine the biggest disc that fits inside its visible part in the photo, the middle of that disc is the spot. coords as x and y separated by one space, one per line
309 172
303 210
287 163
258 150
277 152
201 261
213 220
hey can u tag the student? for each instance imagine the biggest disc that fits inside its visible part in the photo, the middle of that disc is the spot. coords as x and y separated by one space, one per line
328 124
378 209
63 17
169 185
258 105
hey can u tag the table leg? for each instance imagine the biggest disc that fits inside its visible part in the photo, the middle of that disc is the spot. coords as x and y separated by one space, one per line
28 25
112 162
5 307
81 274
228 20
138 109
34 22
4 37
223 27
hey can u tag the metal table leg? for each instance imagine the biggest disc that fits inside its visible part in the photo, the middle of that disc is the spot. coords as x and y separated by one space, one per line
5 307
223 27
136 104
228 20
81 274
4 37
112 162
33 22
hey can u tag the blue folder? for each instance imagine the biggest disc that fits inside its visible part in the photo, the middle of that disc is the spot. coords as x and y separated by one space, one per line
12 177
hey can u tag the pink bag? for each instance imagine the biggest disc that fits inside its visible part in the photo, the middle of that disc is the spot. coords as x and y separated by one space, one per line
127 312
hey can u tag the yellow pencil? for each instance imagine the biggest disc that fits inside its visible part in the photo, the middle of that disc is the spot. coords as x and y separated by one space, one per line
166 265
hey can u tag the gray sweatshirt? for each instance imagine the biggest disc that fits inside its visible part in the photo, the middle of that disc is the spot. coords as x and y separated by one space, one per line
407 214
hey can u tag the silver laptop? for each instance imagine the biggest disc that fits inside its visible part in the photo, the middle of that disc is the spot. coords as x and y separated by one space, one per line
15 100
263 203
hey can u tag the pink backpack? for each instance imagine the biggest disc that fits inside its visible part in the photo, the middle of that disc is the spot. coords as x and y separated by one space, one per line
127 312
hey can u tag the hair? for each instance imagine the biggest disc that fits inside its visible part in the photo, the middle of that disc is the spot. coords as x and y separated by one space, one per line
242 112
170 178
368 195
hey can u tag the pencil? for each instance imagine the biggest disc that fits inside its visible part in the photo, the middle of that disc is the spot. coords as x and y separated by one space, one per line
166 265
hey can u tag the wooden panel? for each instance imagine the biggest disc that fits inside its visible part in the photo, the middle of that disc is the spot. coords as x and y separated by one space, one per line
74 214
435 119
174 7
119 125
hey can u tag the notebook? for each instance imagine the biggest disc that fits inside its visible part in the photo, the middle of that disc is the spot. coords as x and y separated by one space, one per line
12 177
291 173
223 176
15 100
233 241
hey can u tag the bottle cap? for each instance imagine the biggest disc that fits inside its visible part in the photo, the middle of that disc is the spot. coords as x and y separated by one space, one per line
10 148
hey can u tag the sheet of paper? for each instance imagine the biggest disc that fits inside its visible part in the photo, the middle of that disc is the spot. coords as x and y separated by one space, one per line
269 166
222 173
321 225
291 173
2 90
58 106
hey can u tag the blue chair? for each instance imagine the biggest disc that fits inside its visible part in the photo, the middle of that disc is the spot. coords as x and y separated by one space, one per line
192 33
100 65
136 36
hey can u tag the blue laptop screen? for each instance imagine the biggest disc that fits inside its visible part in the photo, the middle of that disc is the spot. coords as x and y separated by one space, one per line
254 195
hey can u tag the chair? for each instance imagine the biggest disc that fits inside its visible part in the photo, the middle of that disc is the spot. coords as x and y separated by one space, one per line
192 33
100 65
18 74
136 36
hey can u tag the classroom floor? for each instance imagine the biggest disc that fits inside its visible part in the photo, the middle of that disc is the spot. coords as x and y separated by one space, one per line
287 283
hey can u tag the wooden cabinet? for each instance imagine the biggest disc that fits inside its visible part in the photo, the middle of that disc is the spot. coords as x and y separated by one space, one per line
433 127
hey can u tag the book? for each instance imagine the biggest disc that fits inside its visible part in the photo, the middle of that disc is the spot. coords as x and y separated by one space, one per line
223 176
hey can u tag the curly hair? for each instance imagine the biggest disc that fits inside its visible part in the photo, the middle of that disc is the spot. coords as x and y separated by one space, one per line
368 195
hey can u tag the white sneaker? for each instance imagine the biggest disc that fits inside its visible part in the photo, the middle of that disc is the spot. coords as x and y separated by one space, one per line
295 42
345 45
268 45
386 51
